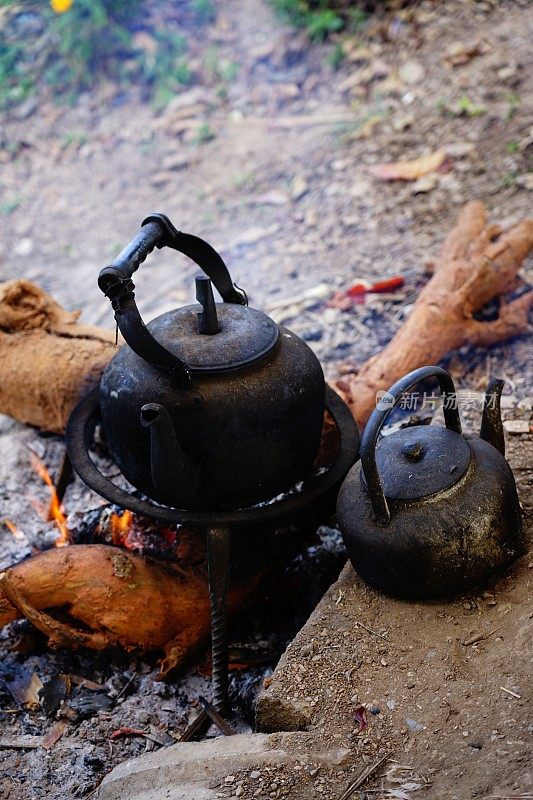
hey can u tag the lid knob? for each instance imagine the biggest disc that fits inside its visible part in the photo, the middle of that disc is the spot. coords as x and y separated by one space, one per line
413 451
208 318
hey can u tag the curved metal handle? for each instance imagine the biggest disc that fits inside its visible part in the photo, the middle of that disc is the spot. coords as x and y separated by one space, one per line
116 283
378 418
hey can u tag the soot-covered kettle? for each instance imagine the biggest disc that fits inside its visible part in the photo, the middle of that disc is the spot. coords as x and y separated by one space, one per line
210 406
428 512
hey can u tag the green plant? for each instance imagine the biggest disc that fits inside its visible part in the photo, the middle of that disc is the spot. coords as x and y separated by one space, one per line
9 206
167 69
509 180
15 84
74 138
466 108
204 134
203 10
320 18
336 57
513 146
90 40
514 105
219 69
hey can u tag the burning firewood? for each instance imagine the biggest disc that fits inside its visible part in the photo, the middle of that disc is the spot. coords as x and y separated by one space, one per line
478 263
48 360
108 596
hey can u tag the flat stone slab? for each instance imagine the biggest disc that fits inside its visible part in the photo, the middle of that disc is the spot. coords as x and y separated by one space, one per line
198 770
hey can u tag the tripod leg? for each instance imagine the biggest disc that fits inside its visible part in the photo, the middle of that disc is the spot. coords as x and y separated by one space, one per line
218 561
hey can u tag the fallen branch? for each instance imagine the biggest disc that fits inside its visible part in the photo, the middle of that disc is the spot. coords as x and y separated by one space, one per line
478 262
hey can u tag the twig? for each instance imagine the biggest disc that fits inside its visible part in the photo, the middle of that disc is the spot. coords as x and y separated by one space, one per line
362 778
196 727
375 633
125 687
64 476
21 742
513 694
478 637
213 714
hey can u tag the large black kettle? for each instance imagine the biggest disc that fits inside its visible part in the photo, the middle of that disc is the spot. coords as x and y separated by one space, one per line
430 512
209 406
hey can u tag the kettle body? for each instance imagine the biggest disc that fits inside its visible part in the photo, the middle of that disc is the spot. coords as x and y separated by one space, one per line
430 513
210 406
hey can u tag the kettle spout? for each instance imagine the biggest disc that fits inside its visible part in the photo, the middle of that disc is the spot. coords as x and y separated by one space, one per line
170 466
491 423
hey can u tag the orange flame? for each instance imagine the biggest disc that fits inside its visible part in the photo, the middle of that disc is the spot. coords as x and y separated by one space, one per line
120 528
55 512
14 530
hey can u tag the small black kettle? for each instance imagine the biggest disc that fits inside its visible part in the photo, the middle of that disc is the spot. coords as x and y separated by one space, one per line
210 406
429 512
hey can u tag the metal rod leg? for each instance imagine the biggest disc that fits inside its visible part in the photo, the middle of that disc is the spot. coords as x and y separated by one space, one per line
218 561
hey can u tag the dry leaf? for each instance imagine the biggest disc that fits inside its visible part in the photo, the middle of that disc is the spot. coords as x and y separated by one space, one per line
460 53
412 170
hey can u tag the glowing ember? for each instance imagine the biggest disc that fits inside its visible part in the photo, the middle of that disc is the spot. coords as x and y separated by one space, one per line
55 512
14 530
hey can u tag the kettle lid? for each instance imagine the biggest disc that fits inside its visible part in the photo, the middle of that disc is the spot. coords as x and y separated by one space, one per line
421 460
243 335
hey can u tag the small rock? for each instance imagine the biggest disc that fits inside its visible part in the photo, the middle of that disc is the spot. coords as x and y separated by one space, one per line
526 181
425 184
460 149
255 775
299 187
23 247
160 178
27 108
230 779
239 791
391 704
176 161
273 198
414 726
516 426
411 72
403 122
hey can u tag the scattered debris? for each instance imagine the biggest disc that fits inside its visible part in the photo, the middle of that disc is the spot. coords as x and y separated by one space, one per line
53 694
460 53
121 733
509 691
55 734
516 426
360 719
478 637
414 726
23 685
365 774
412 170
27 742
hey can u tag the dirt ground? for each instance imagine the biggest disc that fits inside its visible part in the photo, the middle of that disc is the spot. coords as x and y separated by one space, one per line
446 685
282 190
